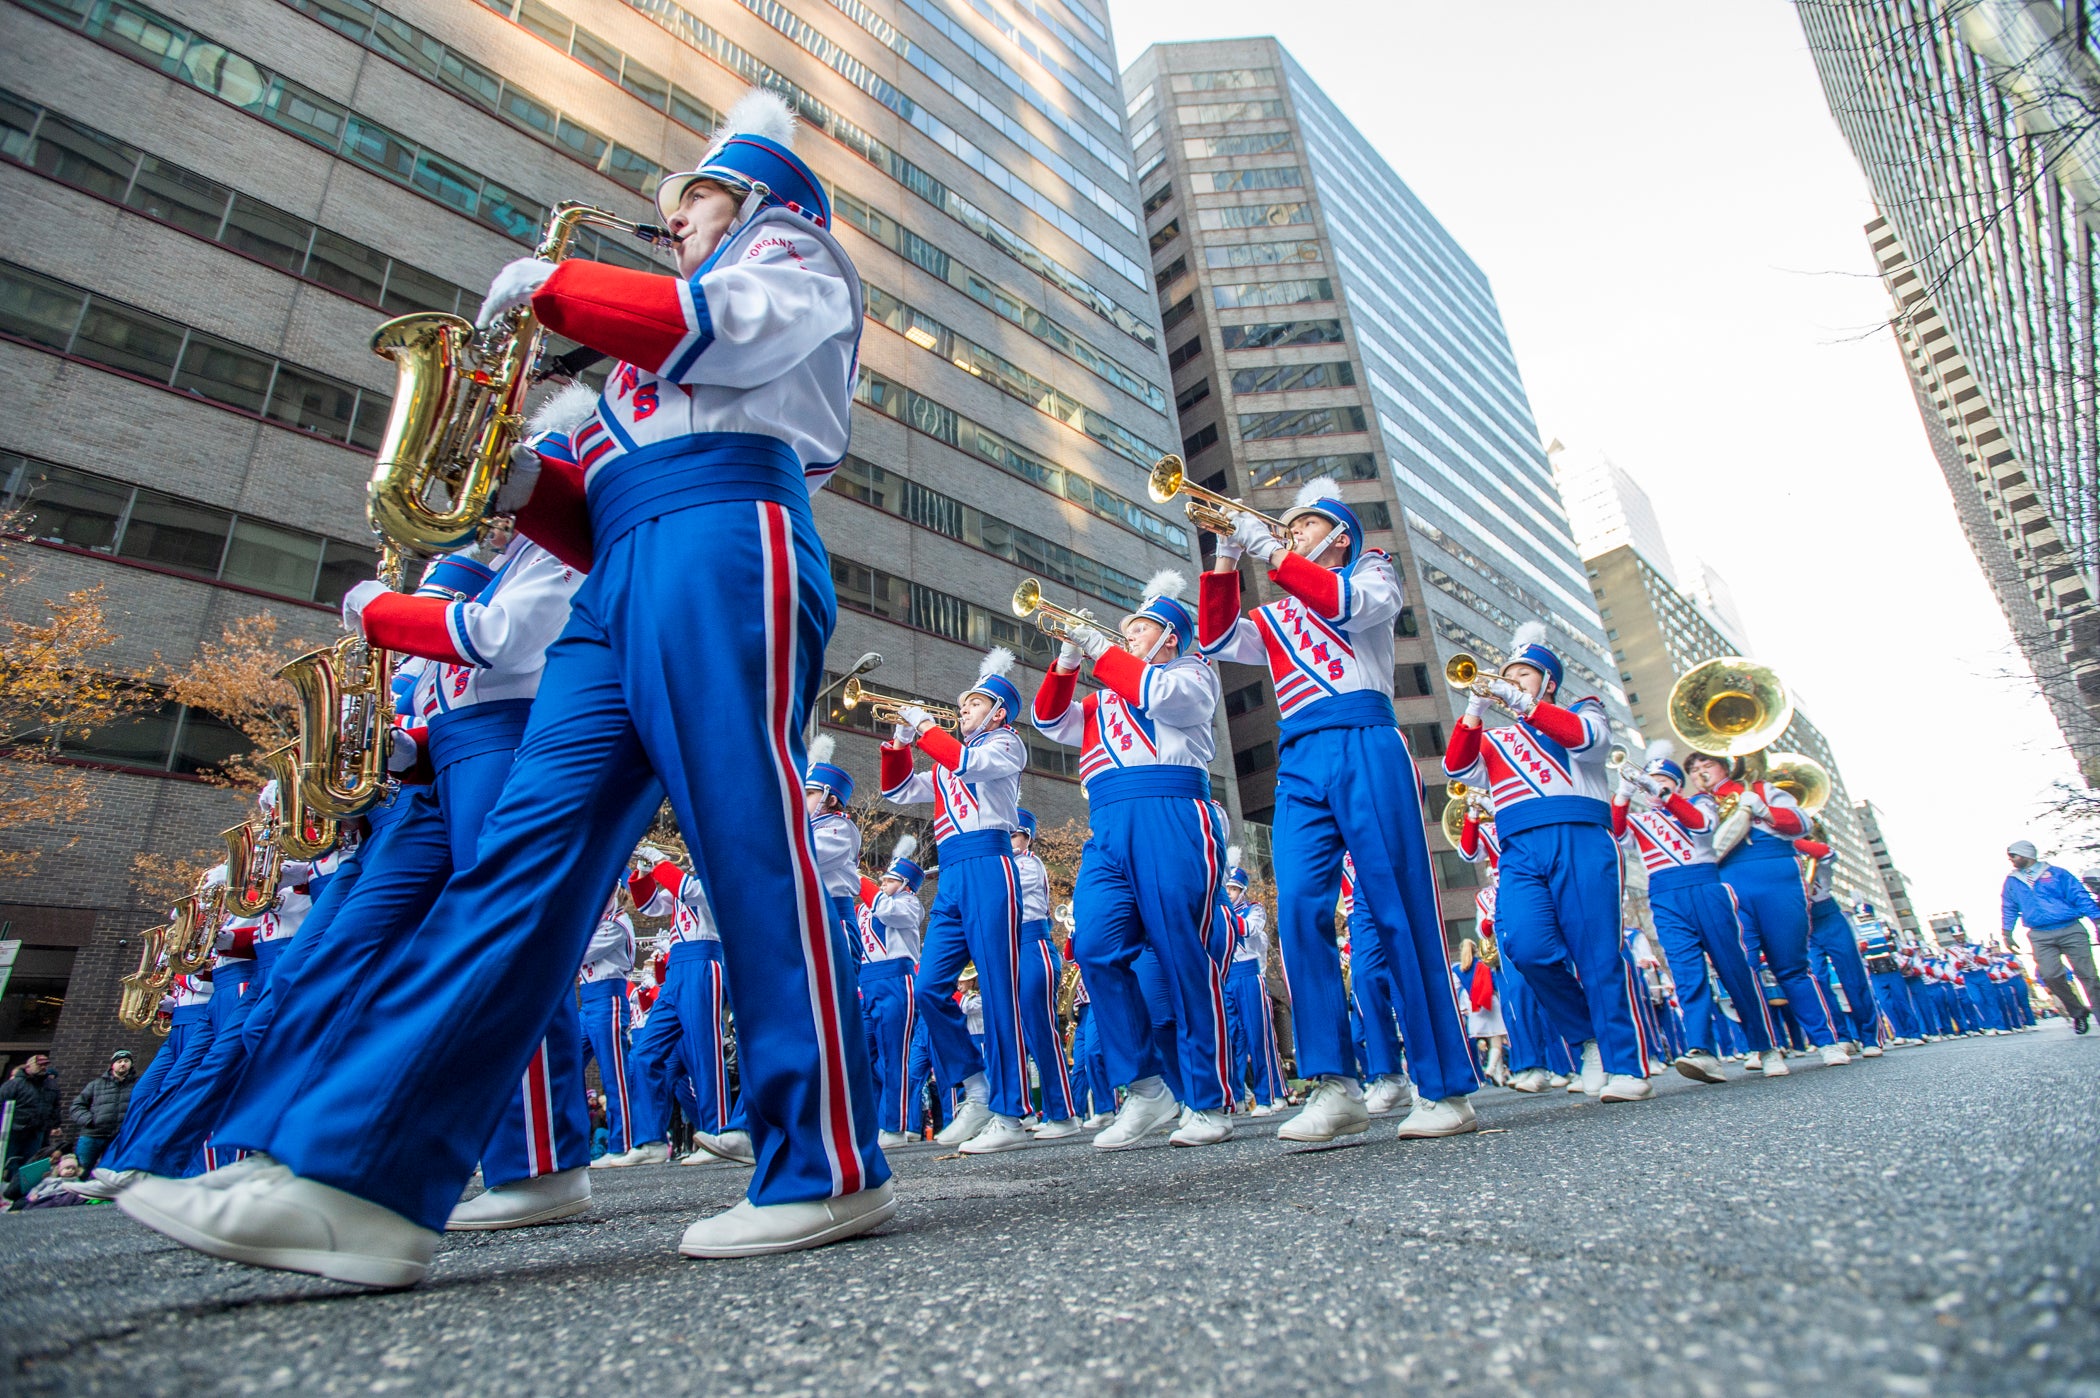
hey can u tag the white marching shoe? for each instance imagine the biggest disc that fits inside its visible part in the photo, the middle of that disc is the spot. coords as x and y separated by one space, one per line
1775 1064
1137 1118
1262 1109
1755 1062
1202 1129
973 1117
1626 1087
1391 1093
1871 1051
754 1230
1095 1121
1699 1066
272 1218
896 1140
1000 1133
1452 1116
1593 1074
1059 1130
105 1184
648 1153
1834 1056
525 1203
733 1146
1530 1080
1334 1108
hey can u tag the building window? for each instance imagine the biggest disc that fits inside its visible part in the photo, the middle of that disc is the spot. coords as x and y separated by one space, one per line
1236 113
1185 353
1293 470
1200 440
1268 254
1306 422
1411 681
1171 273
1166 233
1157 199
1222 79
1192 395
1246 699
1259 758
1301 291
1424 739
1252 216
1283 378
1279 334
1178 312
1260 177
1249 143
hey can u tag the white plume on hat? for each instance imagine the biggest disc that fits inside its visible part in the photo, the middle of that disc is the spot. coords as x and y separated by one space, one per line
997 661
821 749
1232 856
759 112
1661 750
564 411
1167 582
905 848
1317 489
1531 633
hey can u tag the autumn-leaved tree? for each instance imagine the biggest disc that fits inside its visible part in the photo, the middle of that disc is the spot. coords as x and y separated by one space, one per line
235 678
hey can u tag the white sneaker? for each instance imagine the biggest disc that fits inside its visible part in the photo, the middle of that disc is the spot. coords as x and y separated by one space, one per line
525 1203
1530 1080
1136 1119
1000 1133
1699 1066
1626 1087
1202 1129
1453 1116
896 1140
1390 1093
1262 1109
106 1184
1058 1130
275 1219
1755 1062
972 1119
648 1153
1871 1051
1557 1080
1335 1107
754 1230
1834 1056
733 1146
1593 1074
1096 1120
697 1156
1775 1065
1573 1084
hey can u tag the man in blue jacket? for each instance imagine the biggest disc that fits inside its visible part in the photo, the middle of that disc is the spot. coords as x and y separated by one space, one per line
2054 905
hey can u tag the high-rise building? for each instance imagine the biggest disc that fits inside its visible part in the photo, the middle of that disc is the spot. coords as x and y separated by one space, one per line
1320 322
209 208
1973 122
1607 507
1894 896
1659 632
2047 598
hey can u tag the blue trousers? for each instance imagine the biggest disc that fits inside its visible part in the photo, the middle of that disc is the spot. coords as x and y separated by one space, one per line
1892 995
1042 968
1532 1040
1773 906
1378 1047
1695 920
1728 1029
1557 912
1149 880
619 725
656 1072
547 1127
173 1140
893 1017
1833 948
1983 999
1159 1010
976 916
1096 1092
1355 790
189 1039
920 1076
1257 1062
603 1009
687 1038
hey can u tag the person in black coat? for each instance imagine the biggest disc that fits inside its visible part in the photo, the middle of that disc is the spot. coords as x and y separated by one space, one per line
99 1109
32 1089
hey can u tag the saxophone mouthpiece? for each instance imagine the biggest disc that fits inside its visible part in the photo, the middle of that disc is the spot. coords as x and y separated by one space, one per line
655 235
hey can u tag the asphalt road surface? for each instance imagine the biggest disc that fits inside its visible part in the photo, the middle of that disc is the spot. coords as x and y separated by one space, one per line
1919 1224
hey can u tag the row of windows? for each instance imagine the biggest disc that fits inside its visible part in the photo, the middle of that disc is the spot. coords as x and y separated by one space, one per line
1008 377
1252 216
71 320
162 737
688 28
1206 114
79 509
1304 422
1199 441
1259 177
915 409
1075 45
1297 291
1168 232
1283 334
929 509
1239 143
1267 254
1295 470
1222 79
1280 378
1192 395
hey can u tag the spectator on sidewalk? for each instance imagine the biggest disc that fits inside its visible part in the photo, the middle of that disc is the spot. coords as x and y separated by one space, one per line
99 1109
51 1191
31 1092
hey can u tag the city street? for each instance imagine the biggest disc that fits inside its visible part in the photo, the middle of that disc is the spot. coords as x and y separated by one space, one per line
1920 1224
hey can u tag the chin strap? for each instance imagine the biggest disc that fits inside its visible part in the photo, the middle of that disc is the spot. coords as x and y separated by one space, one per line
753 202
1157 643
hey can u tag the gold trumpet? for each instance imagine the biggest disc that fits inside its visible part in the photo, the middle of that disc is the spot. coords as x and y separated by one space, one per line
888 708
1059 623
1206 508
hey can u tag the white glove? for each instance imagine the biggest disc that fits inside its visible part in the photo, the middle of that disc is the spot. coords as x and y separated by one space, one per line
512 288
1752 802
295 871
1229 549
357 599
654 855
1626 790
1069 655
914 718
1514 697
401 752
1095 643
522 479
1254 537
903 736
1477 706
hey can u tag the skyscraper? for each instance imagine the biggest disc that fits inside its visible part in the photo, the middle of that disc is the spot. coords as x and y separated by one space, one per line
209 210
1320 322
1895 889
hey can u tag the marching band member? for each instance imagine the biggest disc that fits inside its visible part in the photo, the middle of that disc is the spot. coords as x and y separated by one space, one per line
1344 782
1476 988
1042 969
689 1024
1766 882
1089 1062
1558 893
1152 870
1833 943
975 787
731 407
1883 958
1695 918
1247 994
2055 904
826 790
602 989
890 922
1372 1022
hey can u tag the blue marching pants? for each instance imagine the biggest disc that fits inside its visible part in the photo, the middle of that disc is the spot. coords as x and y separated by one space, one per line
1557 912
1355 789
893 1017
1773 906
1159 1012
188 1041
615 729
178 1141
1892 995
1532 1041
604 1014
547 1127
1149 880
1042 968
976 916
1258 1064
1096 1092
656 1072
919 1075
1983 1000
1833 943
685 1042
1695 920
1378 1034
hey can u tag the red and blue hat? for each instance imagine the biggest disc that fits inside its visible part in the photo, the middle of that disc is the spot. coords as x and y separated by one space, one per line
993 684
1162 603
902 866
753 150
1026 822
1528 647
826 774
1323 497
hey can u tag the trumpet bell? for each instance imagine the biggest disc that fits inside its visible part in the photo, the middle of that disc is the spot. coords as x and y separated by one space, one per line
1801 777
1028 597
1454 819
889 708
1168 476
1729 706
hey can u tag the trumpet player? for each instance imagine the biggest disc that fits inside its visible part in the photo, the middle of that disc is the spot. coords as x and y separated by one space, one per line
1766 882
1695 918
1258 1061
891 919
1344 781
1042 970
975 788
682 1052
1152 871
1559 894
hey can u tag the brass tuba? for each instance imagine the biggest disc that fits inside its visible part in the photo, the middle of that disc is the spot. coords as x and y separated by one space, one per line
195 930
1801 777
252 863
1730 707
1206 508
301 834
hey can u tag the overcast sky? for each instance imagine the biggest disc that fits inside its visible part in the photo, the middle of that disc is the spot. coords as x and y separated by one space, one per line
1673 228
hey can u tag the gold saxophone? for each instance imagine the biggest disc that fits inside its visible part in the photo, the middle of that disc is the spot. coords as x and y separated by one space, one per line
346 711
139 1001
195 930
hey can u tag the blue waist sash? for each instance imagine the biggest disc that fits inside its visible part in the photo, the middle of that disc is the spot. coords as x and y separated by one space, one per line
1551 810
974 844
1683 876
189 1014
698 946
477 730
707 468
889 968
605 989
1760 848
1136 783
1362 708
1036 930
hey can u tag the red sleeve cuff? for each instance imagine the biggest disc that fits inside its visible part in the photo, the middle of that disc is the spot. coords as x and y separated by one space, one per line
1464 748
670 877
868 889
1469 835
558 516
1217 607
1055 695
635 316
1559 724
1317 587
1620 812
641 887
412 625
1123 672
896 766
1685 813
1814 849
942 746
